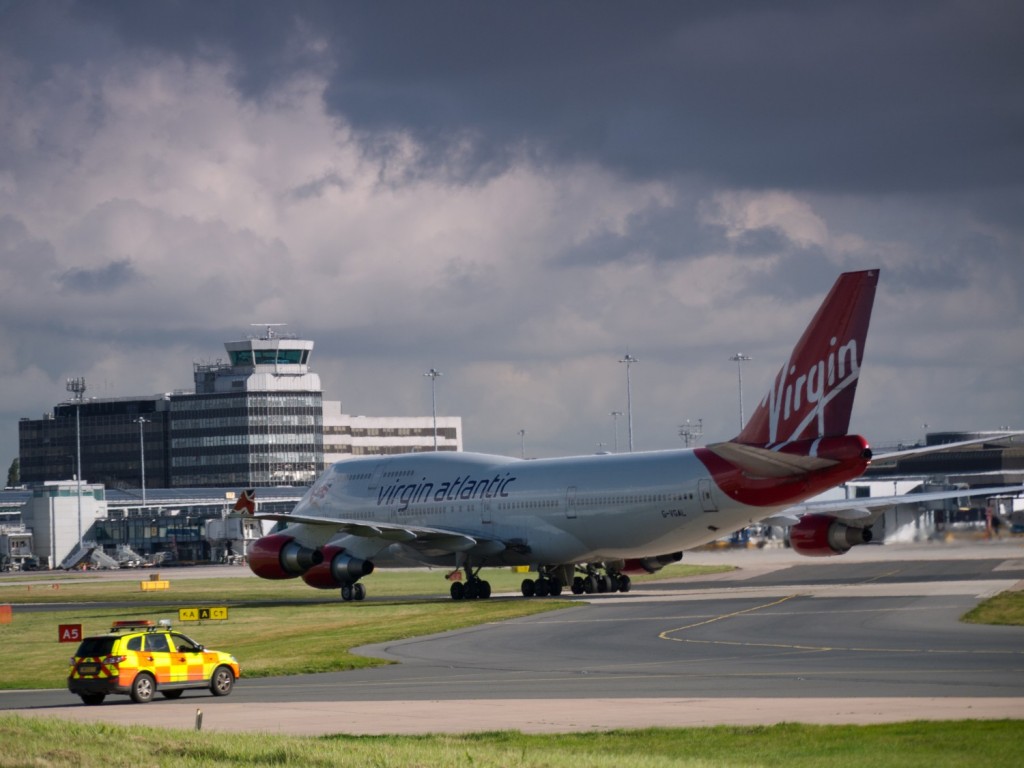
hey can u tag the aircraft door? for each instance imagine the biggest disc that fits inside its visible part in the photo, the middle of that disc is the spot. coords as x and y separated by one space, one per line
485 515
375 478
570 502
707 501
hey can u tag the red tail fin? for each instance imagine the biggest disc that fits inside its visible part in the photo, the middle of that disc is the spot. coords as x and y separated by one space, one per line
246 503
812 396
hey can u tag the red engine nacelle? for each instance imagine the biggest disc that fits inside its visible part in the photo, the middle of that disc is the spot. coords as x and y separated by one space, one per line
650 564
280 556
336 569
824 535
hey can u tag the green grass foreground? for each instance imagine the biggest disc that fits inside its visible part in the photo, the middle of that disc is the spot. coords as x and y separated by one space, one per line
1006 608
274 628
46 742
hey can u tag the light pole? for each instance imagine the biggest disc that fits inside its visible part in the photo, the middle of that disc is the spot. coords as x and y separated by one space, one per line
433 374
629 360
522 443
690 431
615 429
77 387
739 358
142 456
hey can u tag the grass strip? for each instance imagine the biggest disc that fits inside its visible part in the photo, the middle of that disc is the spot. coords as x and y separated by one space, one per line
1006 608
60 587
266 640
274 627
52 742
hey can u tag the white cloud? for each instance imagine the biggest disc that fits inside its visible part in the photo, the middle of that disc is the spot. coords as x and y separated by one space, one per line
202 211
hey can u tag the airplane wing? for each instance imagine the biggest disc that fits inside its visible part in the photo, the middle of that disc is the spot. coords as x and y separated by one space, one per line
920 450
855 510
411 535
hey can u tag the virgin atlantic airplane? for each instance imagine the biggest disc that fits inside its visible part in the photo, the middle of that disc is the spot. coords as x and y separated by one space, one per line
587 522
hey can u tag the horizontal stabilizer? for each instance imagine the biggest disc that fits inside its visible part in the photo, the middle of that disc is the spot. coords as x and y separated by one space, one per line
761 462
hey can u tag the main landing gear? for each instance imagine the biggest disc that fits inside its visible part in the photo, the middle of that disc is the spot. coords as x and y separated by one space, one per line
591 582
474 588
351 592
545 584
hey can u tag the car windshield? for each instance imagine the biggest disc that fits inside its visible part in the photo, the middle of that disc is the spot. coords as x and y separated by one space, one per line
96 646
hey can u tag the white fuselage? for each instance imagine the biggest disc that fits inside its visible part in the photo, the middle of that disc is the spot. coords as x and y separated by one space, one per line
548 511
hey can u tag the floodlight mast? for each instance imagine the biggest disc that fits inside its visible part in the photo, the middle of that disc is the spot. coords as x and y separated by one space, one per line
629 360
432 374
615 430
739 358
76 387
142 456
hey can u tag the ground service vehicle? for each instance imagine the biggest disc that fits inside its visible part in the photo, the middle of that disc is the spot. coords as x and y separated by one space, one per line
141 657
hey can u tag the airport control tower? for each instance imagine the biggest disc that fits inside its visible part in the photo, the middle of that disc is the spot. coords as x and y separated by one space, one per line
268 363
262 416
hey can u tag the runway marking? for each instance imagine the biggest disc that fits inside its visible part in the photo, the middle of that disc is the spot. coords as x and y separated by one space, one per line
667 635
877 577
808 612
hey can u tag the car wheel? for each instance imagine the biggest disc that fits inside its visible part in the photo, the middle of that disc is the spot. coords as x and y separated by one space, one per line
171 694
222 682
92 699
143 688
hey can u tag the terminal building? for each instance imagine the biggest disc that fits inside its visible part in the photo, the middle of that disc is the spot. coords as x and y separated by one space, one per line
159 473
257 419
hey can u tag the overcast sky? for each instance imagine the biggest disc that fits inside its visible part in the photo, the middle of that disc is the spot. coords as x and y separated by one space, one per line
517 194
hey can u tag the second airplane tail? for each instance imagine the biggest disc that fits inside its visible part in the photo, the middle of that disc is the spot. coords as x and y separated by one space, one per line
812 395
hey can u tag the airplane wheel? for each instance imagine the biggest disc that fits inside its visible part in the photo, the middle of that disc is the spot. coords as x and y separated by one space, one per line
542 588
605 584
484 589
458 590
625 583
555 587
577 586
358 592
346 592
472 590
528 587
590 585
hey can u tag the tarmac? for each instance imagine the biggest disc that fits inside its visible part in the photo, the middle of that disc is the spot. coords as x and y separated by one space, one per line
563 715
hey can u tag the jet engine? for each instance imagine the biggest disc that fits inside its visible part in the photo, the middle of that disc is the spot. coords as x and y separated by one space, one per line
824 535
650 564
336 569
280 556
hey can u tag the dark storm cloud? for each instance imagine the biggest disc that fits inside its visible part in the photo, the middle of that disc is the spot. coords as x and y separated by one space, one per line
101 280
676 233
858 96
20 253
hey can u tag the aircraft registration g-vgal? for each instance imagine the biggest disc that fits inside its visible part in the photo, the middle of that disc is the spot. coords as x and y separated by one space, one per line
587 522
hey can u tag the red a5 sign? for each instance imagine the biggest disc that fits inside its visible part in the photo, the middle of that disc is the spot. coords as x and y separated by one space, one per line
69 633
